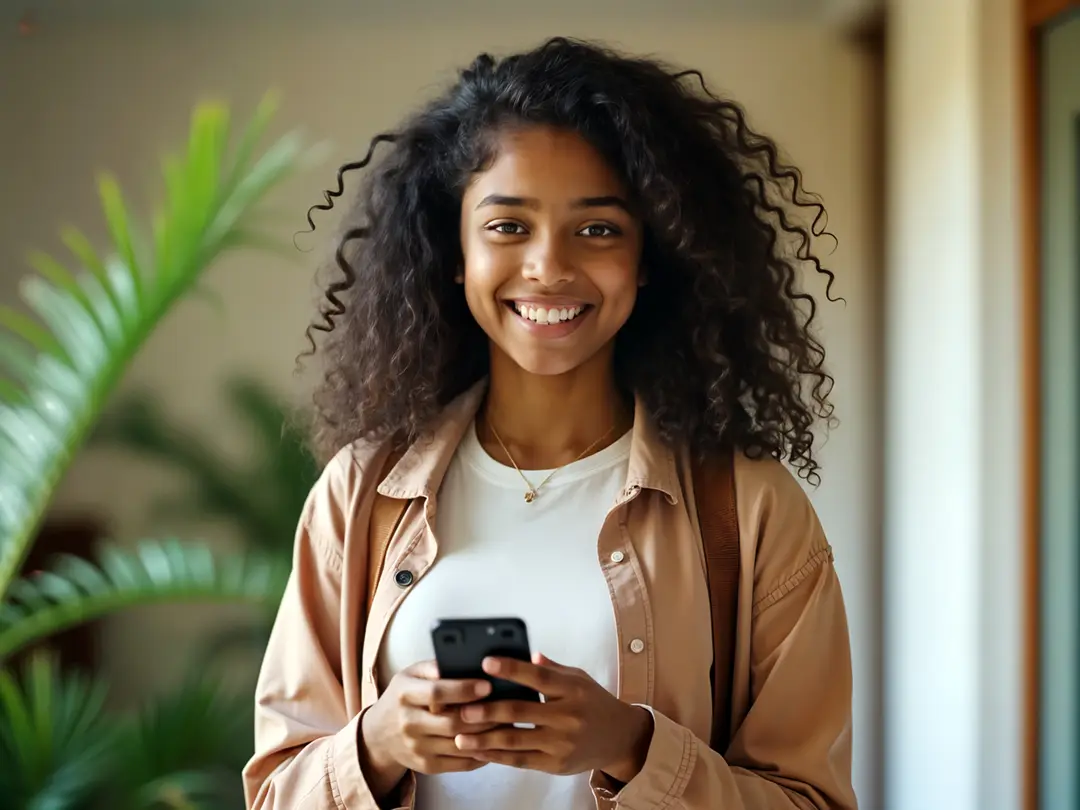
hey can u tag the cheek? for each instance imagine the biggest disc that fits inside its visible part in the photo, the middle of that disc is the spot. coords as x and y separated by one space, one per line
617 280
485 274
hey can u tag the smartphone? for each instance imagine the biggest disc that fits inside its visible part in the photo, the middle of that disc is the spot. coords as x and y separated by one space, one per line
461 645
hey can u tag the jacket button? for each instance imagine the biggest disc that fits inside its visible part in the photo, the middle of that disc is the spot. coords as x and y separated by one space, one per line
403 578
637 645
617 556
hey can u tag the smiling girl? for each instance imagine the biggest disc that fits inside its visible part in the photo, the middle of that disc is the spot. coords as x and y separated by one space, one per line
568 281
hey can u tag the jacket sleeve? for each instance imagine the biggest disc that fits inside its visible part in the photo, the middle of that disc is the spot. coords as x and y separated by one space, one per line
792 749
306 744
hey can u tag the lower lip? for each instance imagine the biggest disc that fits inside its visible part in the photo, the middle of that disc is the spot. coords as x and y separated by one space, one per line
551 330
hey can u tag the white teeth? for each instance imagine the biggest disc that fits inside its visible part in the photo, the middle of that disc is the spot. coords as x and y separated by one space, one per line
542 315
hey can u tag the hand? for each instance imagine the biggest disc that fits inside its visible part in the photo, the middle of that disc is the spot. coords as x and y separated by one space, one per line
413 724
580 726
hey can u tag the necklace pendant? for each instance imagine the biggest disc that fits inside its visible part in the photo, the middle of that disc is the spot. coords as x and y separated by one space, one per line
530 496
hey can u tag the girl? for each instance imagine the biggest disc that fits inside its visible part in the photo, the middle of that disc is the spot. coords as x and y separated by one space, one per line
570 279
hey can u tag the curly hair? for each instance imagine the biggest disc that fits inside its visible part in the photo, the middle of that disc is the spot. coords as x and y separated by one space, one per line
719 350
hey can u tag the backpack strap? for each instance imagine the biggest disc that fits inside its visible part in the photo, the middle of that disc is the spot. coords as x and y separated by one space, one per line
714 488
386 515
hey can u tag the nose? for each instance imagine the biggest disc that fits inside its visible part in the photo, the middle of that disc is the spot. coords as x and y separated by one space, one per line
548 263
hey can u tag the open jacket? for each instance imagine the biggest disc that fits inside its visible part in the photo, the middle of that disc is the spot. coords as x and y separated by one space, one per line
791 707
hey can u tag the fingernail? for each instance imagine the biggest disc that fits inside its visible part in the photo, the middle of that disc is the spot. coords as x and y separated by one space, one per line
472 714
463 743
483 689
492 666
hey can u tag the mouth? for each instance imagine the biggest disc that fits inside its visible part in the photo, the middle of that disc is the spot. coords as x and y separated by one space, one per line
547 316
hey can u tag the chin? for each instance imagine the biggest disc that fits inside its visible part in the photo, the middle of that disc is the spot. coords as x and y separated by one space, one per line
545 366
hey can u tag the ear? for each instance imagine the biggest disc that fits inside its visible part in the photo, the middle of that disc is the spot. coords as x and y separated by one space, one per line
642 276
459 278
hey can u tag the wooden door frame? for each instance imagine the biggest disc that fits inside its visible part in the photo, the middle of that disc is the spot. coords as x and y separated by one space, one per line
1034 16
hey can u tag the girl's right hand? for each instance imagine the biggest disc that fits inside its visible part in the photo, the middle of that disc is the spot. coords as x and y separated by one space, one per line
413 724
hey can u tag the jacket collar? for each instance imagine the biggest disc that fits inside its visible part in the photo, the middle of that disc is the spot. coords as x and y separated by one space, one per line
420 471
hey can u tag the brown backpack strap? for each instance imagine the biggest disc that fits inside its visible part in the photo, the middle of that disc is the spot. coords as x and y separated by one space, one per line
386 515
714 489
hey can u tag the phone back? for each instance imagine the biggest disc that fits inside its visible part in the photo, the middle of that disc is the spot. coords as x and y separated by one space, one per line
461 645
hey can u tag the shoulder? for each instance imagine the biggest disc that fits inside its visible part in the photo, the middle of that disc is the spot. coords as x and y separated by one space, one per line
334 499
778 526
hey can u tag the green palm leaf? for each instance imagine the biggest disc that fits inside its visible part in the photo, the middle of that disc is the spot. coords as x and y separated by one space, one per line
56 744
59 749
185 748
58 365
74 590
262 497
217 487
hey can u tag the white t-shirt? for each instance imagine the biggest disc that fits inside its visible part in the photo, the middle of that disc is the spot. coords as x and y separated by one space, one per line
502 557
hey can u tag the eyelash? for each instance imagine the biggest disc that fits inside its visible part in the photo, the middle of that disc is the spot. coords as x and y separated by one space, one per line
611 230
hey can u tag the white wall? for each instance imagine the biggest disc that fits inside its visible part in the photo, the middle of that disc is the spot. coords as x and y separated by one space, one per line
109 95
953 490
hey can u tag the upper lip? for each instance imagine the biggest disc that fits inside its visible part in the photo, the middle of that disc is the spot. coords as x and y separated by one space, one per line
548 301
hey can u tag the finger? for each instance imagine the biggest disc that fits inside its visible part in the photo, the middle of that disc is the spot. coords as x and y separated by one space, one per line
427 670
542 660
453 764
548 681
508 712
436 694
525 760
428 748
508 738
448 724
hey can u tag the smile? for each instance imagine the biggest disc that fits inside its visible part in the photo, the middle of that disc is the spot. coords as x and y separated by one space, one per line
545 316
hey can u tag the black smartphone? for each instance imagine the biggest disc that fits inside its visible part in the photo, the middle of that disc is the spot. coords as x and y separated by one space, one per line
461 645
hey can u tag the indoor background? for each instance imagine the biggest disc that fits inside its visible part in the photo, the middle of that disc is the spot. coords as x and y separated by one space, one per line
906 117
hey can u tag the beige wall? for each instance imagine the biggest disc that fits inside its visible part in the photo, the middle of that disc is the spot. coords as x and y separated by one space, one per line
109 95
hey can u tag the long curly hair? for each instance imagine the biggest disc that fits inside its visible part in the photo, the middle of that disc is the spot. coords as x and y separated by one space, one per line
719 346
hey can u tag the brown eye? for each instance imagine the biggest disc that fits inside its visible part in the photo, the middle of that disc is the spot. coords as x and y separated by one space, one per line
598 230
507 228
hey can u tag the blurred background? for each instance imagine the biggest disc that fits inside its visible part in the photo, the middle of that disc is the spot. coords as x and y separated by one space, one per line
944 137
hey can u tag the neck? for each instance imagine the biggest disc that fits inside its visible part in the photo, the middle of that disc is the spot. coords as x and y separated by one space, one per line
549 421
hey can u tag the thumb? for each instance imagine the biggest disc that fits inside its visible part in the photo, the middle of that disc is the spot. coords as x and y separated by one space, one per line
425 670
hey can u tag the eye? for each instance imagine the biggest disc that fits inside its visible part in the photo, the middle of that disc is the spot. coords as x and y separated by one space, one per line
507 228
598 229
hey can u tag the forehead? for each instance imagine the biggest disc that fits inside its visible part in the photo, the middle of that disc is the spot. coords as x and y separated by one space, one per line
546 163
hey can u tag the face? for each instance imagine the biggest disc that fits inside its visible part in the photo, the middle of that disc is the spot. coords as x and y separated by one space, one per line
552 251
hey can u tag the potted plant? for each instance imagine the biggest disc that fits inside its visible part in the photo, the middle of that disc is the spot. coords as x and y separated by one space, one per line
59 363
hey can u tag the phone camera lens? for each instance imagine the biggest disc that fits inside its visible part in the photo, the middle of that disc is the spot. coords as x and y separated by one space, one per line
451 637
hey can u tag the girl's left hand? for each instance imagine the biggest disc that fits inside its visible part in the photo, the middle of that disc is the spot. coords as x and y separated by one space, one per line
580 726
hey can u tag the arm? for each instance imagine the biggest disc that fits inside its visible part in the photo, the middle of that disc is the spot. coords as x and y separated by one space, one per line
306 744
793 749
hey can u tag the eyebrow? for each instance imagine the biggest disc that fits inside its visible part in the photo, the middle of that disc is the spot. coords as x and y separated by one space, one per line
610 201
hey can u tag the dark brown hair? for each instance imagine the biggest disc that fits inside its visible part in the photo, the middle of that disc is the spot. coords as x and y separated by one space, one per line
718 347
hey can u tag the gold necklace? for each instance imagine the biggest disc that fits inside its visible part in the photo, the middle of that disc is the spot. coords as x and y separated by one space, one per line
532 492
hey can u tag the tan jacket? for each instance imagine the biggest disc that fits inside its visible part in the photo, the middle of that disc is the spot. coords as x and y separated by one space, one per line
791 707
